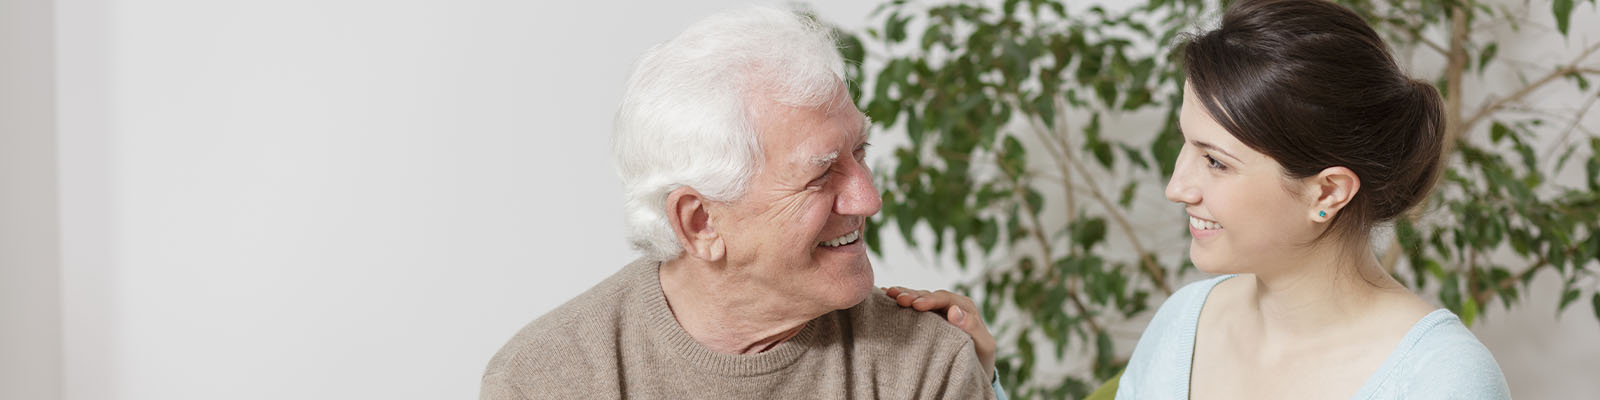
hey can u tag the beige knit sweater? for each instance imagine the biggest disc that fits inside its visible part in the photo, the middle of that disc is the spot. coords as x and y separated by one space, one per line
619 340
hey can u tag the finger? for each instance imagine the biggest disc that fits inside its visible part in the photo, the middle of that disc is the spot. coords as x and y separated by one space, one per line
905 299
932 302
893 291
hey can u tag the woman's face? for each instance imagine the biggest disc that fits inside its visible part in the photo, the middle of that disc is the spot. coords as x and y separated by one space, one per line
1245 216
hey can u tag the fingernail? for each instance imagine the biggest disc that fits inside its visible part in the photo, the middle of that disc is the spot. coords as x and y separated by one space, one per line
957 316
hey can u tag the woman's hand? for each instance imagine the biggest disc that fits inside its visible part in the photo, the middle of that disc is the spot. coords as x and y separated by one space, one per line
958 310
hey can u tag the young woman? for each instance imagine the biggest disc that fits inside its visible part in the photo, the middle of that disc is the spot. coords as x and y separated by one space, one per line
1301 133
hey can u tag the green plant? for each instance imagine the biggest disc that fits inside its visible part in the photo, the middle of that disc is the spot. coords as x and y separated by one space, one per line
981 90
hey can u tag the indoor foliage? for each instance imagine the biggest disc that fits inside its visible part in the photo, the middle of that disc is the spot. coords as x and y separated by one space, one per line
1003 102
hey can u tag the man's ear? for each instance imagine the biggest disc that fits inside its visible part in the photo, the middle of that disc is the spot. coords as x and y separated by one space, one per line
1332 189
691 222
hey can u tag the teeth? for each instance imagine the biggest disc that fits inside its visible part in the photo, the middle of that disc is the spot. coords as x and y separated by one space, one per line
1203 224
848 238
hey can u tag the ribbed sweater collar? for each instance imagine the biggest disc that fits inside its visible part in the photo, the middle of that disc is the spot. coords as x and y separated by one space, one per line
666 333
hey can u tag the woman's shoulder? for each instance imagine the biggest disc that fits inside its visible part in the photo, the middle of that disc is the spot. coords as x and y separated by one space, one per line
1160 361
1183 306
1441 358
1192 297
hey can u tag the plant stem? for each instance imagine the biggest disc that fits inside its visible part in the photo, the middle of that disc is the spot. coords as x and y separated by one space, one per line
1456 67
1049 258
1486 295
1147 263
1572 67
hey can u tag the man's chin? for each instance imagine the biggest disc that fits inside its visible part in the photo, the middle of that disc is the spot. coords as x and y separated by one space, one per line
854 288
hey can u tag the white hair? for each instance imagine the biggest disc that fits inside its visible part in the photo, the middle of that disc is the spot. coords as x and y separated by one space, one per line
685 118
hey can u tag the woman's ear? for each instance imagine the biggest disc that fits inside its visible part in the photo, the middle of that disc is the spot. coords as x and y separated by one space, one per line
690 219
1331 190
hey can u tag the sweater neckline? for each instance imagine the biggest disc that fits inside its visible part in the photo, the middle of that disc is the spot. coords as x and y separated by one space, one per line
1191 325
667 333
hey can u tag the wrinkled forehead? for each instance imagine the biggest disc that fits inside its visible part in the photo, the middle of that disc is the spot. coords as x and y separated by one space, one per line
833 123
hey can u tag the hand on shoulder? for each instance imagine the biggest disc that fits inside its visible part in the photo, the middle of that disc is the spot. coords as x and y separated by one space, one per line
958 310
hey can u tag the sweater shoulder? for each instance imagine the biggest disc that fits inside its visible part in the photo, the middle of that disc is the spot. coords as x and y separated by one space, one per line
1448 361
571 341
880 318
890 339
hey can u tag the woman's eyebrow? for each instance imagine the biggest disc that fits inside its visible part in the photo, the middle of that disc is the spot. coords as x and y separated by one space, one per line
1209 146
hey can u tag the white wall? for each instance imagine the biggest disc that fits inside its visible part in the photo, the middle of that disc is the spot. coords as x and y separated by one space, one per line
364 199
334 199
30 307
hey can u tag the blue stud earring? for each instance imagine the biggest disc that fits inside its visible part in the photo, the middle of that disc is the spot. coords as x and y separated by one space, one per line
1322 214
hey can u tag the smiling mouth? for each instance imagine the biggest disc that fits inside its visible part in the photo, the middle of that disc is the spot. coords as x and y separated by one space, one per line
1204 225
846 239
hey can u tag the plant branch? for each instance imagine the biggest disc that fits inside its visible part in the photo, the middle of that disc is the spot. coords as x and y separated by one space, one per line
1576 118
1498 104
1049 259
1484 296
1147 262
1456 67
1058 155
1416 34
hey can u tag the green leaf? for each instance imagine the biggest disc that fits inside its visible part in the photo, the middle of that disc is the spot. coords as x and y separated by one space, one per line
1450 293
1035 201
1126 199
1104 351
1469 310
1087 232
1562 160
1091 131
1045 107
1103 154
1583 83
1595 301
895 27
1013 159
1567 298
1563 12
988 234
1487 54
1499 131
1134 156
913 125
1069 266
1167 146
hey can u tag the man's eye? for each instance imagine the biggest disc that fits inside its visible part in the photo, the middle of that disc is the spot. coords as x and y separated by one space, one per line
821 179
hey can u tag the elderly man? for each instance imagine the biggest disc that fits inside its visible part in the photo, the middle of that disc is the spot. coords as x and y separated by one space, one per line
741 156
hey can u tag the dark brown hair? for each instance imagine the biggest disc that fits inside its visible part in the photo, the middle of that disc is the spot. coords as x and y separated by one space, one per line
1310 84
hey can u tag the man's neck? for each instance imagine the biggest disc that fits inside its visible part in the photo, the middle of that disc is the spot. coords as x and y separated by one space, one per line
726 314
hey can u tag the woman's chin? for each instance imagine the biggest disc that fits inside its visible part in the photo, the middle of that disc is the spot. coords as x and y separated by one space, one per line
1208 263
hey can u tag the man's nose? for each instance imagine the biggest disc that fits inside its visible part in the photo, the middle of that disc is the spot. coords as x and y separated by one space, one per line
858 195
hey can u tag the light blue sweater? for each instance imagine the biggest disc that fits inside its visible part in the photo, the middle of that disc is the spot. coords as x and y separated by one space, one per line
1438 359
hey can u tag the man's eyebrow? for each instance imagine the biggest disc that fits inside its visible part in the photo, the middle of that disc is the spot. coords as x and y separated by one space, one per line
824 159
866 127
1209 146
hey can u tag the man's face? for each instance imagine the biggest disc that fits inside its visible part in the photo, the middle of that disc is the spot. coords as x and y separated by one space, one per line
796 233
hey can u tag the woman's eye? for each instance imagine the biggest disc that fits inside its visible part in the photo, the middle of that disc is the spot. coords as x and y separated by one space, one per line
1213 163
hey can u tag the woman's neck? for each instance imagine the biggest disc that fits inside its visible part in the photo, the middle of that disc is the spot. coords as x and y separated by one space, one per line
1331 285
